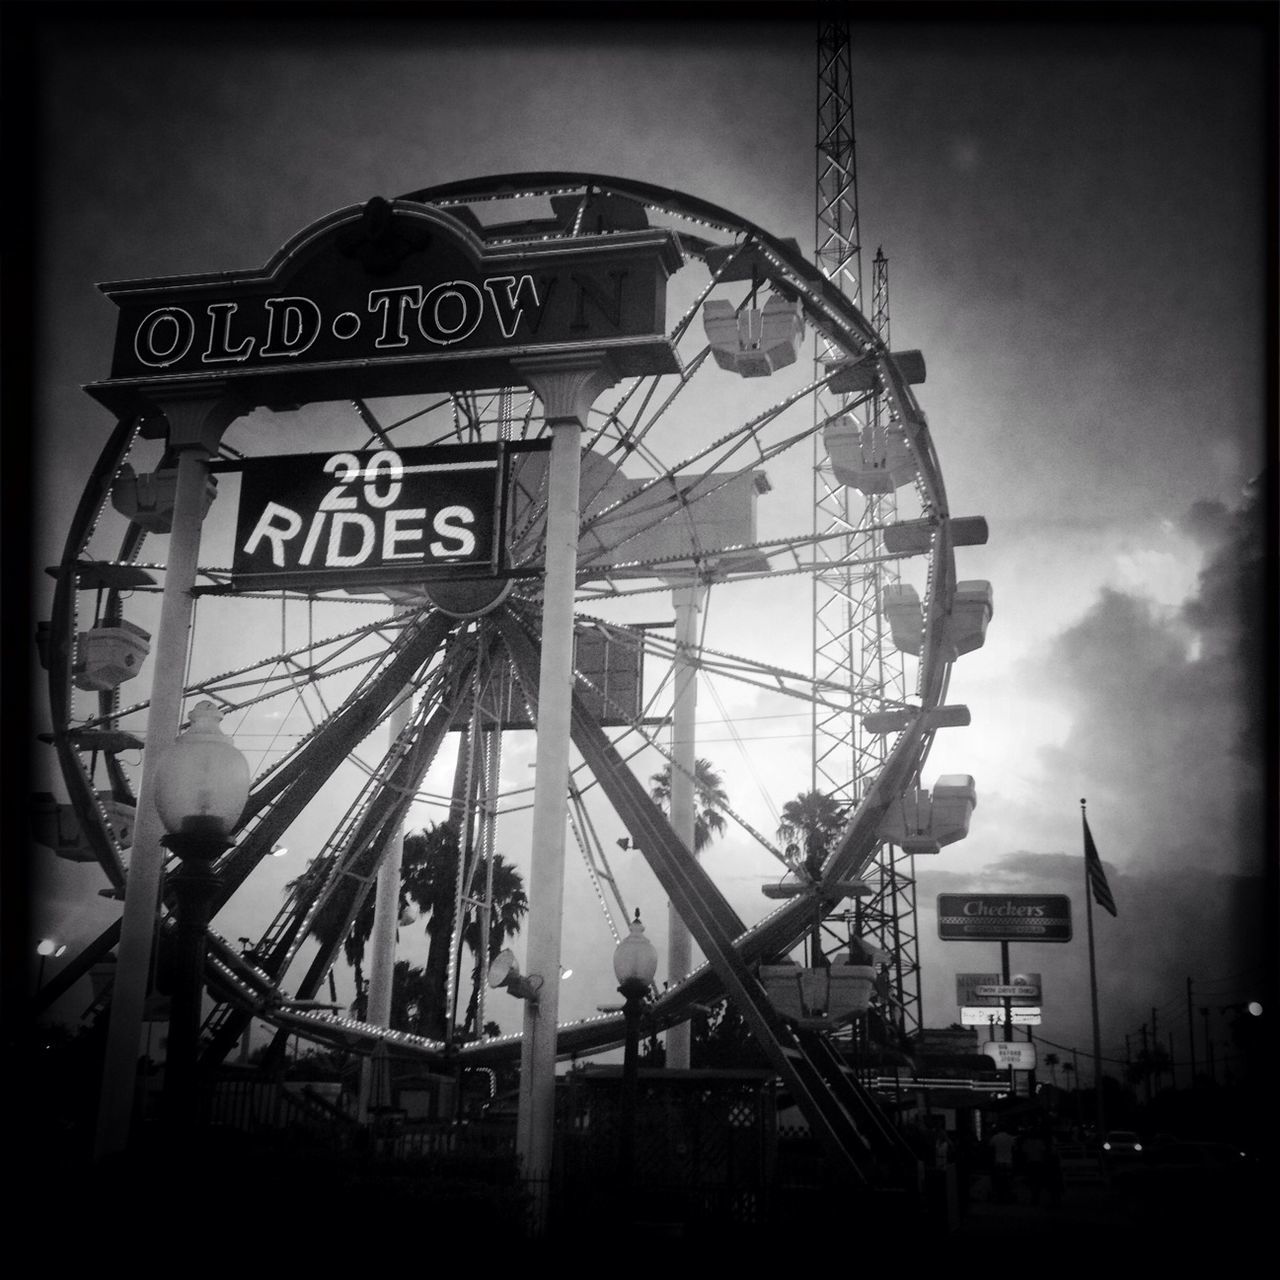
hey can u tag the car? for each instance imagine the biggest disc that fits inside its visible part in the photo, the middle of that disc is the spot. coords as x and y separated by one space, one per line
1221 1156
1122 1142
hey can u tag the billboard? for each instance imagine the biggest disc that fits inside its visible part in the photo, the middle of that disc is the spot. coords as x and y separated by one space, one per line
1004 917
379 517
1018 1054
976 1015
989 989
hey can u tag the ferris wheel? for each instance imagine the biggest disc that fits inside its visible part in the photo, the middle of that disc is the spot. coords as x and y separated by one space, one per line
344 691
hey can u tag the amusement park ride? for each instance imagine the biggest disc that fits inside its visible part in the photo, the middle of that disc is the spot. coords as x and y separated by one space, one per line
366 440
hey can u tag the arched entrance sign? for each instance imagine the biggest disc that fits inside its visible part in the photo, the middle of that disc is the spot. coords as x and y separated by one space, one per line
392 298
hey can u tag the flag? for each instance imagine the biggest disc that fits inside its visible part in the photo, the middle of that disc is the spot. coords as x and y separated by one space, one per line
1097 877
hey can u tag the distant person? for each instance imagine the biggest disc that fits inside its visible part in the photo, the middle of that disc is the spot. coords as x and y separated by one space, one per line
1035 1158
968 1161
942 1149
1002 1144
1053 1169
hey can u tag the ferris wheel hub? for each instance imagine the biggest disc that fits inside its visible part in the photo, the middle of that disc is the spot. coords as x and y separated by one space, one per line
467 599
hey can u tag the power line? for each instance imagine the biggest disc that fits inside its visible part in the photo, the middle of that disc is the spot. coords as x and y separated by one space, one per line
1232 977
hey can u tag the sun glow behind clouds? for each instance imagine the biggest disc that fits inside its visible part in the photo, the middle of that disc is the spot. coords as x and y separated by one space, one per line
1164 568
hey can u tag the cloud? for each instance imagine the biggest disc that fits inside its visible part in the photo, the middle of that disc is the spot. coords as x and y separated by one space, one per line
1227 610
1167 732
1166 739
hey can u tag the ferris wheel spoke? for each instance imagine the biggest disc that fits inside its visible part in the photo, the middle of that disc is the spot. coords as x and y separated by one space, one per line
721 450
765 676
376 429
349 861
593 856
383 816
279 797
633 436
220 686
347 866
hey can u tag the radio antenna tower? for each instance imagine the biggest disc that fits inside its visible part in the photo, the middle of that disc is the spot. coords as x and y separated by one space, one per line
852 646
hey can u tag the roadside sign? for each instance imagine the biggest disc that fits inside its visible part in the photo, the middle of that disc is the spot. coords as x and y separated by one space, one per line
373 518
393 298
1023 989
1018 1054
972 1015
1004 917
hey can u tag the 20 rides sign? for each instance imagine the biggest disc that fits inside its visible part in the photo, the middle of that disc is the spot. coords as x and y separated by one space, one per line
381 516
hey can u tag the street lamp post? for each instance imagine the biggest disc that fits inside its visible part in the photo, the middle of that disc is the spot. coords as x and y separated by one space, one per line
201 791
635 961
45 948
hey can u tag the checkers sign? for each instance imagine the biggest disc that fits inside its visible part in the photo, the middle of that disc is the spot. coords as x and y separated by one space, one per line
1004 917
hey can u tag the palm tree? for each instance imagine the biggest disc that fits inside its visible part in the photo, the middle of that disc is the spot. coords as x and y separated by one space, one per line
1148 1068
721 1038
1051 1061
710 798
430 871
428 882
809 824
419 867
508 906
330 918
1069 1073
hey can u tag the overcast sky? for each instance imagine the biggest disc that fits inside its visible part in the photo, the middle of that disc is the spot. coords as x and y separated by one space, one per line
1074 215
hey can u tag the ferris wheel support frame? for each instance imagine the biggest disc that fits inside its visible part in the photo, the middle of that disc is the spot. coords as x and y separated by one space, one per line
386 917
687 599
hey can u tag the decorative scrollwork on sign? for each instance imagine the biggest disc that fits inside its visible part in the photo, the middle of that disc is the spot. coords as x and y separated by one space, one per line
380 241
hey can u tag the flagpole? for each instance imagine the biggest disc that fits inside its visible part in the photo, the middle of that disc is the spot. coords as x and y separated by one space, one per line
1093 991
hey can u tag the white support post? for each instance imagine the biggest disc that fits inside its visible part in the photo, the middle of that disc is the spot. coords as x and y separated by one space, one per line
488 829
195 427
687 600
567 387
386 920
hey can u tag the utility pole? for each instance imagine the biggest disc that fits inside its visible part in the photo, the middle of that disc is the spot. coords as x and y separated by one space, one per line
1075 1072
1146 1064
1008 1013
1191 1034
1155 1049
1208 1043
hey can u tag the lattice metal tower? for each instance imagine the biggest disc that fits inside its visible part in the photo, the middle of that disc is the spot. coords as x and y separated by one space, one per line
838 255
888 916
851 643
